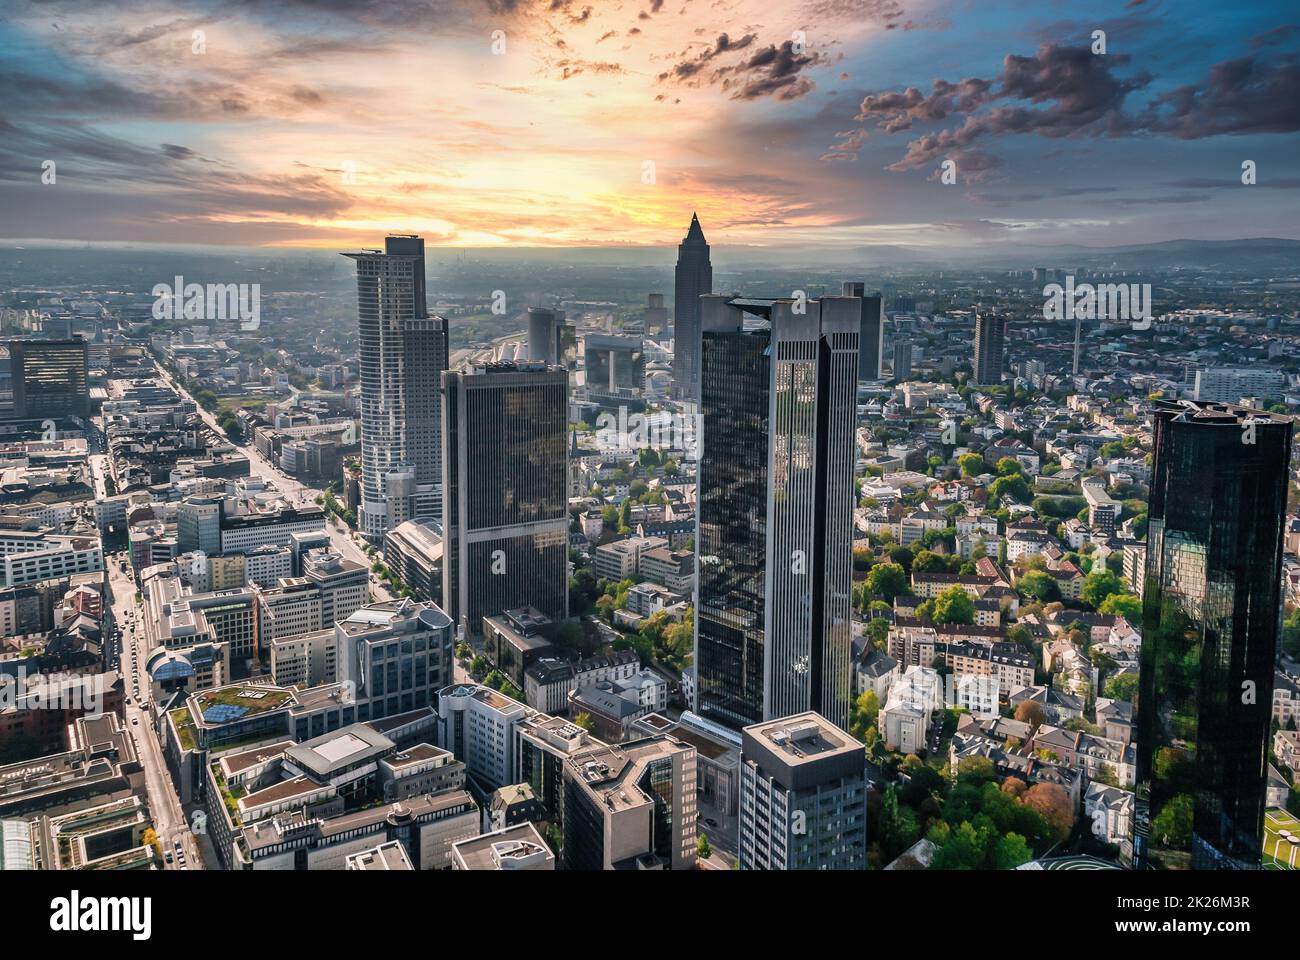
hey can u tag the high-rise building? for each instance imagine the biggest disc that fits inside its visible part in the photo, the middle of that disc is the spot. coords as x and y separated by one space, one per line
403 351
902 369
803 796
615 366
871 337
198 524
775 515
694 278
631 806
990 347
50 378
396 655
550 339
505 517
1209 634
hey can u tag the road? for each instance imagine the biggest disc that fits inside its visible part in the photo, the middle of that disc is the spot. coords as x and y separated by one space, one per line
124 613
169 820
342 540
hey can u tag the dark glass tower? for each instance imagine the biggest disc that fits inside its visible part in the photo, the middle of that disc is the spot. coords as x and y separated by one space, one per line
1209 635
50 378
990 347
871 338
775 514
694 278
505 513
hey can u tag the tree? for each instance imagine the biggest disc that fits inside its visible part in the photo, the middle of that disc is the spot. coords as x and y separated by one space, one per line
702 849
1122 687
1126 605
972 465
1051 802
1013 486
1010 852
1031 712
1014 786
1010 467
887 580
863 715
1099 585
1172 826
878 631
584 720
954 605
1038 585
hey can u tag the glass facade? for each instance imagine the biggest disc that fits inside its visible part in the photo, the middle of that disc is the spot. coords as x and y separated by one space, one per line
505 514
775 512
732 538
1210 629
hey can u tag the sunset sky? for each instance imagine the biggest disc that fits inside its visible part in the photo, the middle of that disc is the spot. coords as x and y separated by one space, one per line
329 123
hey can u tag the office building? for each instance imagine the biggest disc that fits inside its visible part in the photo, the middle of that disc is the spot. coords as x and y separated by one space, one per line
505 517
198 524
50 378
615 366
403 352
776 508
550 339
990 347
518 847
871 334
476 723
1230 384
631 807
902 369
395 656
344 585
694 278
803 796
1209 634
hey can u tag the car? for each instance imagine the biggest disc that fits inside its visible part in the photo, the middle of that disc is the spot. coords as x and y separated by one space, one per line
168 856
179 849
135 721
128 701
710 822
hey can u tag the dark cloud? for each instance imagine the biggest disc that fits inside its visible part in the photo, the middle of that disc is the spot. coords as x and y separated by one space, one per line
773 72
1240 96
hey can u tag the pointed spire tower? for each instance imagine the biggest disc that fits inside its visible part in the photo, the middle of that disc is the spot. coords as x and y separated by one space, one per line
694 278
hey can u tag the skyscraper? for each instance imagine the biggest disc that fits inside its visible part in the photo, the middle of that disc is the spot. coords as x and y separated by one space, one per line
549 337
505 515
1209 634
990 346
871 338
802 766
50 378
902 368
694 278
403 351
775 513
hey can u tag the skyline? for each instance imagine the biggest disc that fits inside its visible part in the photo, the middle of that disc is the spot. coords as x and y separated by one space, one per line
317 126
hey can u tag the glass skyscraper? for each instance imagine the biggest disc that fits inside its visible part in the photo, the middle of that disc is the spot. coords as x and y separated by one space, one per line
775 515
505 514
1209 635
403 352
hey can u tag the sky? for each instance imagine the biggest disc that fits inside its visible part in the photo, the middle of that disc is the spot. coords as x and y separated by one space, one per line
524 123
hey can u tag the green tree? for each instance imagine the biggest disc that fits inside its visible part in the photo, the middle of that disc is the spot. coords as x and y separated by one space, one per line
972 465
702 849
954 605
1172 826
1038 585
887 580
1126 605
1099 585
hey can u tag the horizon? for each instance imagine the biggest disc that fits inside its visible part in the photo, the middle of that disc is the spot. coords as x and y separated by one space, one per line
554 124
